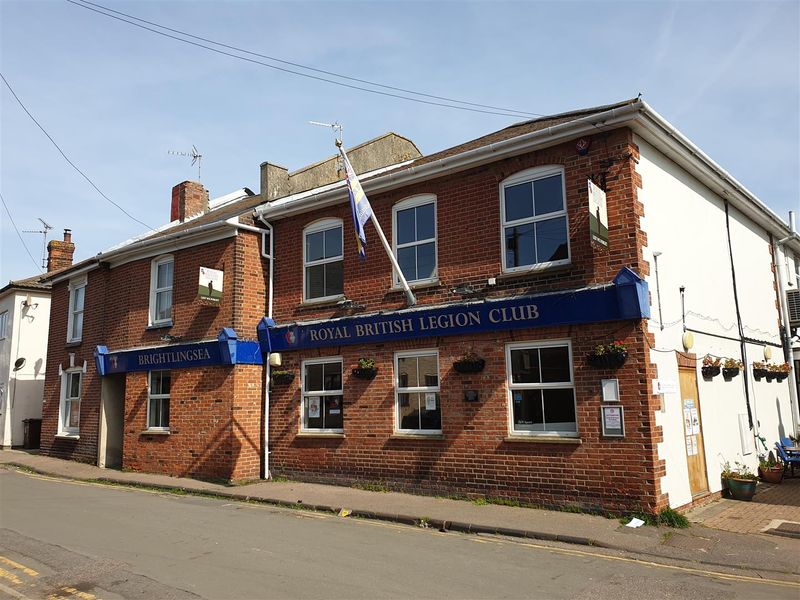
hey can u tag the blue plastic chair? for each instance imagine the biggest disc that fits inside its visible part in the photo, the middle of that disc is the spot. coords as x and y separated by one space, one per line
786 442
788 461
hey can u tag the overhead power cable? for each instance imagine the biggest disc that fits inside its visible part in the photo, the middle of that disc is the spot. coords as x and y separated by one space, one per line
469 106
72 164
19 235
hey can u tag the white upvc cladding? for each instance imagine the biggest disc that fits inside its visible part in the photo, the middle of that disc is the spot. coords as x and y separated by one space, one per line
685 221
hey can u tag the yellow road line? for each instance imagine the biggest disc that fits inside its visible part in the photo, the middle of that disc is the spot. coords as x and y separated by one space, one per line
10 576
11 592
20 567
78 594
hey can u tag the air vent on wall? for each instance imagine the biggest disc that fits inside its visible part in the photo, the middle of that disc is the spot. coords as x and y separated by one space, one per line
793 303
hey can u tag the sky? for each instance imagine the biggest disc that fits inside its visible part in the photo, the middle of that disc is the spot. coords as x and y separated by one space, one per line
117 98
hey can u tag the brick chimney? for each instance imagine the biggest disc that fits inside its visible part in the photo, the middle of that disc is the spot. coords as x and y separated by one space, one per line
59 253
188 199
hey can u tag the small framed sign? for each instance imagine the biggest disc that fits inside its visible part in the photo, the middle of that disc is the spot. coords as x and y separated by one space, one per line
210 285
613 421
610 390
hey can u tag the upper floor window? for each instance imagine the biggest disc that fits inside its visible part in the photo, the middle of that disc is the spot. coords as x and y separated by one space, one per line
3 324
158 400
542 389
534 215
70 408
322 395
323 261
77 298
419 409
161 277
414 221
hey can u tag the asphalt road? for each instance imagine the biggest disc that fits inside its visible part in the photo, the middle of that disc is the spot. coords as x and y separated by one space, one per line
64 539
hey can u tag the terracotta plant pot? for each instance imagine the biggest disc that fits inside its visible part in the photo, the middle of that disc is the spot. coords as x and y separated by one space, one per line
611 360
365 372
742 489
771 474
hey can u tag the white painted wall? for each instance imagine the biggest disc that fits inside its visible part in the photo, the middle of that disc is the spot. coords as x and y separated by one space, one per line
685 221
26 337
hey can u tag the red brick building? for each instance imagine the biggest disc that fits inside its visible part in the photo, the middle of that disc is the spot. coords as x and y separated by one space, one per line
520 281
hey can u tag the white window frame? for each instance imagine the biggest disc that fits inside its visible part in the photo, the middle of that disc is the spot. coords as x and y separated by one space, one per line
154 291
74 286
63 427
320 393
316 227
151 396
530 175
405 204
3 324
415 390
540 386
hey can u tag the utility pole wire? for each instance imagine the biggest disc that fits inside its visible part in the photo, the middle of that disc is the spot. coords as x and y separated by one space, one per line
19 235
514 115
306 67
72 164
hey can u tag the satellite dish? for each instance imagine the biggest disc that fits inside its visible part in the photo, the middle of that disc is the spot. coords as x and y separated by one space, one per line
19 363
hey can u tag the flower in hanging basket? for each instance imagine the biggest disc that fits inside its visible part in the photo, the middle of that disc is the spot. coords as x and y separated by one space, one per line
711 366
731 368
780 372
366 369
469 363
282 377
608 356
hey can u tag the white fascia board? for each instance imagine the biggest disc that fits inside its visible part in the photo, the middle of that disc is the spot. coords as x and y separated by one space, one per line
459 162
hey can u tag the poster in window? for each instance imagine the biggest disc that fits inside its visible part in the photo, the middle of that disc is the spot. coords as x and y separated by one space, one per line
613 421
210 285
313 407
334 407
598 214
430 401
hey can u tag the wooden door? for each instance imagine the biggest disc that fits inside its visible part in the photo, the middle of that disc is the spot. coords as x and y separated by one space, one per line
693 431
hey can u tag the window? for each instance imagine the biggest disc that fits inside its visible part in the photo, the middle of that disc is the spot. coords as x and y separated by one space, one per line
541 388
161 291
414 238
417 386
158 400
70 420
322 395
534 219
323 262
77 298
3 324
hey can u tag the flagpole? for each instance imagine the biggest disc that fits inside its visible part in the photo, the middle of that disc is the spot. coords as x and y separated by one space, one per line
410 298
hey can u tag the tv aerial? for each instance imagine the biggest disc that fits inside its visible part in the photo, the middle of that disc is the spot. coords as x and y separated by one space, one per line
193 154
43 232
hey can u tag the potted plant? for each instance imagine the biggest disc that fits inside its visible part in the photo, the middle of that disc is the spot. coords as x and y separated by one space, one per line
741 481
608 356
366 369
469 363
759 370
711 366
280 377
731 368
770 469
781 371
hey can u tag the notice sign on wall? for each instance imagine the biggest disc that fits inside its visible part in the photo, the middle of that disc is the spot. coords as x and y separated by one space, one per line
598 214
210 285
612 421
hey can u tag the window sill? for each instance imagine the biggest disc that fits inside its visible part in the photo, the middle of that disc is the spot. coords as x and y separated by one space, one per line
533 271
416 286
543 439
156 432
68 436
158 326
323 302
72 344
416 436
321 434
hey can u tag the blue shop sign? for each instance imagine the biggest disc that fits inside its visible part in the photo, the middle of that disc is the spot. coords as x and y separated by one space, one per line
226 350
625 298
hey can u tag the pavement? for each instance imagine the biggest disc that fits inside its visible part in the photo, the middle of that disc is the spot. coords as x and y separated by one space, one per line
710 540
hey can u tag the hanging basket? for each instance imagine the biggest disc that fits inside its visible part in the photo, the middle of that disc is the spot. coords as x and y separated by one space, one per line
709 372
781 376
759 374
365 372
469 366
729 373
609 360
282 378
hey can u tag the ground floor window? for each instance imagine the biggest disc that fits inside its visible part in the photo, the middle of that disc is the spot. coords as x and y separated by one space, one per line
417 391
158 400
541 388
71 403
323 408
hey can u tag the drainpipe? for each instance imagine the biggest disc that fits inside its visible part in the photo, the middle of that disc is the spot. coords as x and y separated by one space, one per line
270 255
